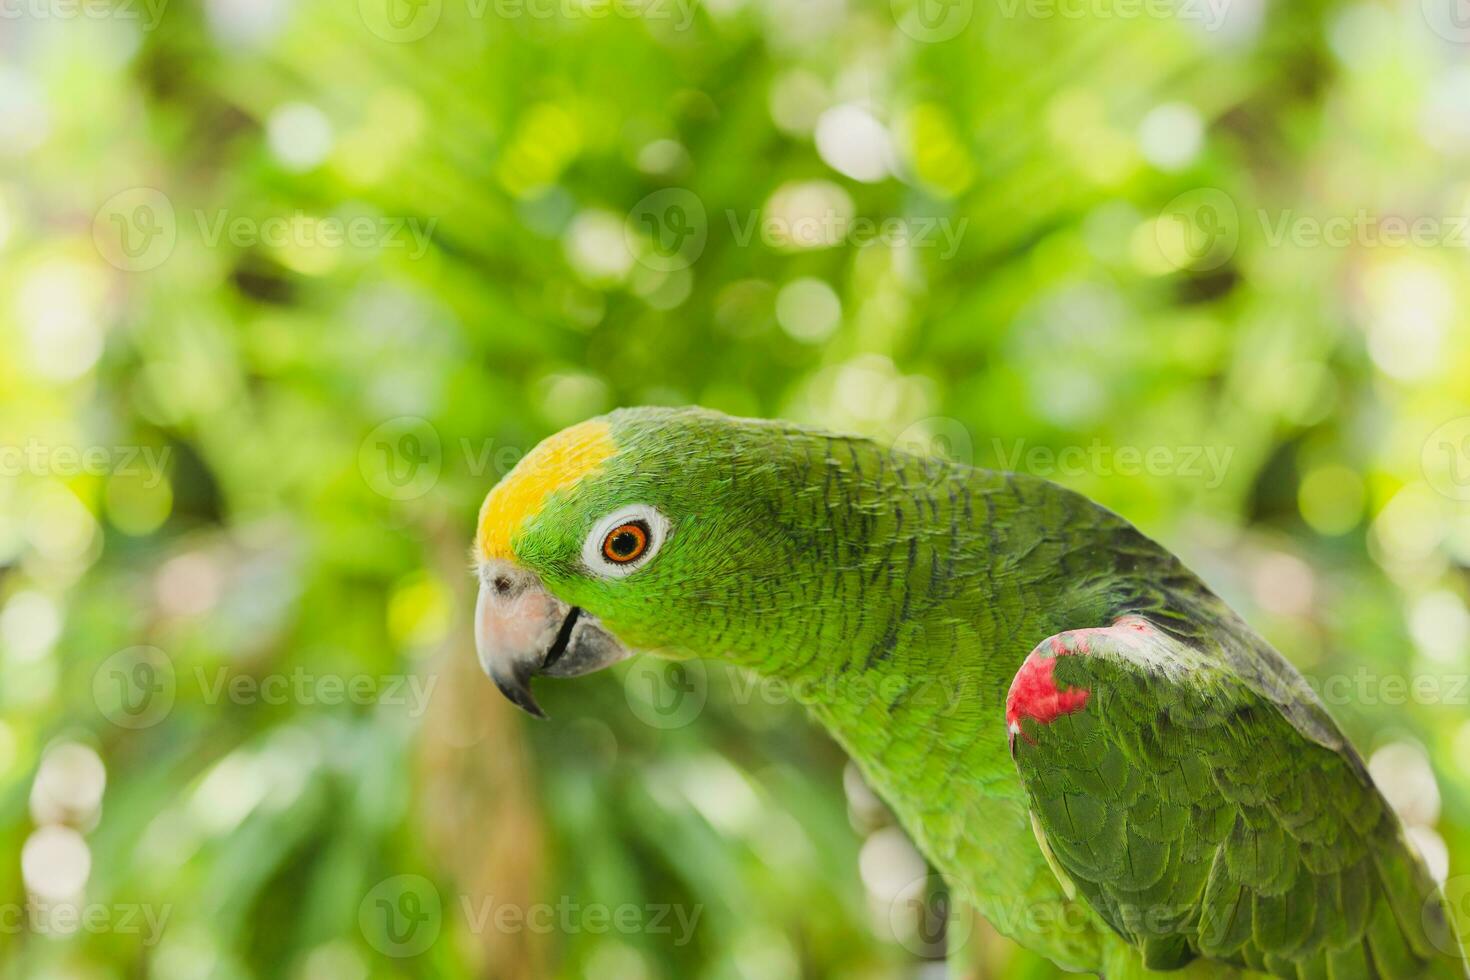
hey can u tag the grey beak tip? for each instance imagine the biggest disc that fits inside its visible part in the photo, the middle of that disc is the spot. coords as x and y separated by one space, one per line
518 692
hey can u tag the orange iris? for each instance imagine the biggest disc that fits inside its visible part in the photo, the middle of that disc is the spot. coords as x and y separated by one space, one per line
625 543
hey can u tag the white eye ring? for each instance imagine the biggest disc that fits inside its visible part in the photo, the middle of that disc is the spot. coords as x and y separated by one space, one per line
594 551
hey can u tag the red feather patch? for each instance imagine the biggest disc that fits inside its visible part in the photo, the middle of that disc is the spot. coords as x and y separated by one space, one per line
1034 694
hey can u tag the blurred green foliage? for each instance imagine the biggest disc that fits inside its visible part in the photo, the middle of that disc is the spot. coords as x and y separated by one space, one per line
285 287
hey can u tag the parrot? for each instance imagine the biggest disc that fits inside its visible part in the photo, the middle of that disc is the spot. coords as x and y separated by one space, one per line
1106 761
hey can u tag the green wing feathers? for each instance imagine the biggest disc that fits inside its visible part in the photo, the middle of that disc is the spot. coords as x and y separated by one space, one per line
1200 822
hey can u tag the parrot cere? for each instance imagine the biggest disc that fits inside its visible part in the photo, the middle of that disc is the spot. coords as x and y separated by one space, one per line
1133 780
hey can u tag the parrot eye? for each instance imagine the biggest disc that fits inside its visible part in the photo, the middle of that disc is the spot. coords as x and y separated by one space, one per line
624 541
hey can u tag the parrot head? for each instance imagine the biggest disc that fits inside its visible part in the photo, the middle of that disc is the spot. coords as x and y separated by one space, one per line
636 530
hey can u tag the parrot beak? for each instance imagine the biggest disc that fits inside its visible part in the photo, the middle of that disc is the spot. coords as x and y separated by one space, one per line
522 630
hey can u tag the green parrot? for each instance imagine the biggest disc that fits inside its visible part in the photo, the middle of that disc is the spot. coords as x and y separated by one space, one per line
1112 766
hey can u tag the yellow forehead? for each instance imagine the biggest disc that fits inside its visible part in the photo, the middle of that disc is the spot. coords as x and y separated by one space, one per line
556 464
